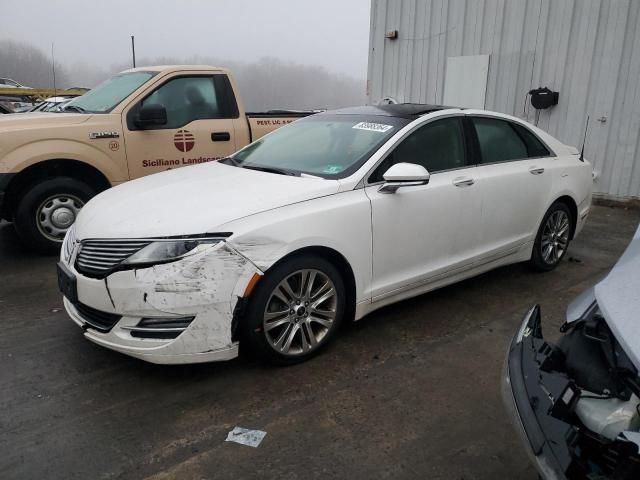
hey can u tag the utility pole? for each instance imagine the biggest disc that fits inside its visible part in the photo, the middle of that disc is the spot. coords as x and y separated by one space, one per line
53 68
133 50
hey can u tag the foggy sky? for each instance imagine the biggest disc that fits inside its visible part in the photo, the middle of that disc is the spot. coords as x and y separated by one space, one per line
330 33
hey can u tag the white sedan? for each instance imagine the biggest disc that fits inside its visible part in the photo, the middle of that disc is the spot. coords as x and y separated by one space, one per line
323 220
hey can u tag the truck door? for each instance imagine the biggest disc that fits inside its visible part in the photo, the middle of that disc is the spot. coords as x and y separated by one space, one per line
199 126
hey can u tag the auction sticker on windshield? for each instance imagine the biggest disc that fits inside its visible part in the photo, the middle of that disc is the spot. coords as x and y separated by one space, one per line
373 127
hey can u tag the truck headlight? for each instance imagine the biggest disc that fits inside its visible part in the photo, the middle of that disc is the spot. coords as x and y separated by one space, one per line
165 251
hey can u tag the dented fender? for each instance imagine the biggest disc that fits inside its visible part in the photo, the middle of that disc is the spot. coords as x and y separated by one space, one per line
261 250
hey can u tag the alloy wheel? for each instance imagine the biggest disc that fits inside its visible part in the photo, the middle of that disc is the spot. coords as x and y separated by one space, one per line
300 312
555 237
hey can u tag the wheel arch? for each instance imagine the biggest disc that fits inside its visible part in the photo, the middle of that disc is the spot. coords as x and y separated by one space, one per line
52 168
337 260
573 208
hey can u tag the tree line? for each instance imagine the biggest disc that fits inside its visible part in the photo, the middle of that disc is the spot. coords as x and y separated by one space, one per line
265 84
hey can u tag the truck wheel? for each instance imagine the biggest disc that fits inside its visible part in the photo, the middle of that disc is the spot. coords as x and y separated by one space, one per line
47 209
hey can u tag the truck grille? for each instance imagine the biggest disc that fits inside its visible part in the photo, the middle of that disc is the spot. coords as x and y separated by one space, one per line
97 258
102 321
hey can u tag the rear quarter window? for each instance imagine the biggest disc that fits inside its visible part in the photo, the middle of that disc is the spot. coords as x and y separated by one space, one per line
535 148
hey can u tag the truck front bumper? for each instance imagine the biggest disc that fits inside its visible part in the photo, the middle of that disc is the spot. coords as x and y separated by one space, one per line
179 312
5 178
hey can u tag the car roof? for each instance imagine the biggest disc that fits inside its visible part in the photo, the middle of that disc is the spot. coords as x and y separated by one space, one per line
409 111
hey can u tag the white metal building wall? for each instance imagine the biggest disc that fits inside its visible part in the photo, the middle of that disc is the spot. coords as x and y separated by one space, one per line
588 50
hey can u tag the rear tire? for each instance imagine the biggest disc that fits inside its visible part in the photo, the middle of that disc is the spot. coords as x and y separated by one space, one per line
295 310
46 211
553 238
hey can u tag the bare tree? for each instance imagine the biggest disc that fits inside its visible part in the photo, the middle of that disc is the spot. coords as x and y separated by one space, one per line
29 65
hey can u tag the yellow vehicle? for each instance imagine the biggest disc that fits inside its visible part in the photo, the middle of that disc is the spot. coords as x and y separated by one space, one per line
141 121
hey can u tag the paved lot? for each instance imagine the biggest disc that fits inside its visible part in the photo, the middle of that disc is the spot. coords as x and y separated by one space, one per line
412 391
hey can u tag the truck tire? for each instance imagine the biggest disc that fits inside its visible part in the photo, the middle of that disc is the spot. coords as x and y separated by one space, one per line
47 209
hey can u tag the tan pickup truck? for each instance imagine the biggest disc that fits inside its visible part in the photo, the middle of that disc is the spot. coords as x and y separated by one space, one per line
139 122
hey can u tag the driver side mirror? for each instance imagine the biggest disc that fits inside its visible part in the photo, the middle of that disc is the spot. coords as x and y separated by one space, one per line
151 115
404 175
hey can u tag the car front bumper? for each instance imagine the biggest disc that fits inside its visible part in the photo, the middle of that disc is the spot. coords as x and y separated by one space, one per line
527 401
204 287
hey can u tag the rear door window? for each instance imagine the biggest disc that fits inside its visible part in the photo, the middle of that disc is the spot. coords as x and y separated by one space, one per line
503 141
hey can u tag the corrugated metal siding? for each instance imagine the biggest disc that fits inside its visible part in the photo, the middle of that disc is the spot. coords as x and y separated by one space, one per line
589 50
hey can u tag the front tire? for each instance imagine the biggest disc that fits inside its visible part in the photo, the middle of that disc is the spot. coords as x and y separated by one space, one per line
553 238
295 310
46 211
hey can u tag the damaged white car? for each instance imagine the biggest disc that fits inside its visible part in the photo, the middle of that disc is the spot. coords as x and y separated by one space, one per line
328 218
577 402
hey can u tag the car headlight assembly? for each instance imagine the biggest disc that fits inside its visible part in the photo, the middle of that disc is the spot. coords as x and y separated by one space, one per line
68 244
165 251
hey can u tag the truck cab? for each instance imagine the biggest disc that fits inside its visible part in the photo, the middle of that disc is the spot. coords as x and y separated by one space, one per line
141 121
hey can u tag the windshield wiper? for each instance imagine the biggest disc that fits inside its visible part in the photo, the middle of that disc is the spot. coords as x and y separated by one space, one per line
231 161
260 168
74 107
279 171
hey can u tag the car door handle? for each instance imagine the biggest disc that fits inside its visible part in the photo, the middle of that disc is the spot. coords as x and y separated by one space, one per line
220 136
463 182
536 170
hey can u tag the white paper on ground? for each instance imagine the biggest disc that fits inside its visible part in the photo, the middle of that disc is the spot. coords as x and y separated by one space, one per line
244 436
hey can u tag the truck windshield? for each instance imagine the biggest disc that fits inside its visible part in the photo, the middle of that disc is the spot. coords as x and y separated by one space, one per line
328 146
109 93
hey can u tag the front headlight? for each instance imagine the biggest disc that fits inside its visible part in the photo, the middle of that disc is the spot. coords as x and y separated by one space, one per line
68 244
164 251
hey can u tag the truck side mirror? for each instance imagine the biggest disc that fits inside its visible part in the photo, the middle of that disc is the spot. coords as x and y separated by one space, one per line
151 115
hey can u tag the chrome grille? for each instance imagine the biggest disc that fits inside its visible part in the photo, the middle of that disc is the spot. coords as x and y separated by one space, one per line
97 258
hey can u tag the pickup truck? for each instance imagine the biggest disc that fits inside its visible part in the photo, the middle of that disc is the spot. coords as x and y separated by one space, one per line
139 122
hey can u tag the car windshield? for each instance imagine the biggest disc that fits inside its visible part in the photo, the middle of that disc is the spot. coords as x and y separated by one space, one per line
328 146
109 93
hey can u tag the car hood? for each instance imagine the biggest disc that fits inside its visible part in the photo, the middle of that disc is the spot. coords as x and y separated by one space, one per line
41 120
192 200
618 297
